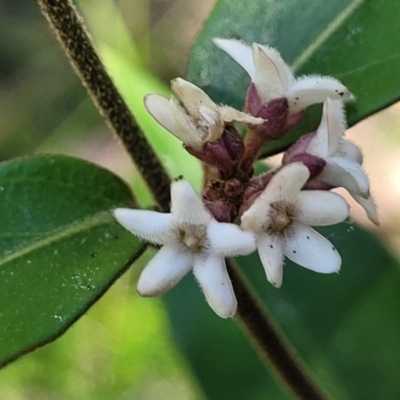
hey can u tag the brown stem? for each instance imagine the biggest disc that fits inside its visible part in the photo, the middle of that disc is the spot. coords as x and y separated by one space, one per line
271 345
253 145
70 31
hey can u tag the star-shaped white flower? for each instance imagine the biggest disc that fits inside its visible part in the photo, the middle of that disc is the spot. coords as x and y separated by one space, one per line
273 79
200 119
343 158
191 239
280 217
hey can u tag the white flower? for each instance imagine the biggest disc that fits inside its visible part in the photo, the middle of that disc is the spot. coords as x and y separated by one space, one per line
191 239
201 120
343 158
280 217
273 79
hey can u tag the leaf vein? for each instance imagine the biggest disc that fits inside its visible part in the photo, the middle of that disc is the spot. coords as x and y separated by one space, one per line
326 34
60 233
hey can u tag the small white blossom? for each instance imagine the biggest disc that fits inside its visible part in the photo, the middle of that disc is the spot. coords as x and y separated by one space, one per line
191 239
343 158
199 120
280 217
273 78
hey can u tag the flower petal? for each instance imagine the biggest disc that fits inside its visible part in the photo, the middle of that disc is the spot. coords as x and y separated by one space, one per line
286 184
229 240
306 247
240 52
159 107
214 280
186 205
314 89
164 270
229 114
328 139
153 226
369 206
340 172
169 114
191 96
270 250
321 208
272 76
284 187
352 152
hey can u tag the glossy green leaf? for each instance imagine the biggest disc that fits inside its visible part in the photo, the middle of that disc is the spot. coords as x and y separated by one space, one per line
345 326
60 247
352 40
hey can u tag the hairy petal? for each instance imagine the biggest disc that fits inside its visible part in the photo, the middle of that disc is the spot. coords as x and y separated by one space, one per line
321 208
270 250
191 96
369 206
152 226
214 280
186 205
164 270
285 185
328 139
340 172
228 239
169 114
160 108
240 52
229 114
309 90
352 152
184 127
306 247
272 76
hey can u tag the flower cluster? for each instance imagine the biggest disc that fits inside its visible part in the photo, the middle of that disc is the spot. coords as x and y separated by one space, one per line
238 212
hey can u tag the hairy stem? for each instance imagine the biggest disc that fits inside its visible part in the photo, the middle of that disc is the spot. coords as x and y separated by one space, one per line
271 345
75 40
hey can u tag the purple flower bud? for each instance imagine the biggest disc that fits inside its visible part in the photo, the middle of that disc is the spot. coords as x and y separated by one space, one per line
314 164
216 154
276 113
253 100
220 210
233 142
233 188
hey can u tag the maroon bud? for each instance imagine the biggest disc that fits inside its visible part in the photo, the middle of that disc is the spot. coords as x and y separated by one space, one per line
220 210
197 153
253 101
255 187
233 188
314 164
300 146
276 114
233 142
293 120
217 155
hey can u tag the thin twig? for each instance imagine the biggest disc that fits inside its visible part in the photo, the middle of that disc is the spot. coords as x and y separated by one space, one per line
69 29
271 345
74 38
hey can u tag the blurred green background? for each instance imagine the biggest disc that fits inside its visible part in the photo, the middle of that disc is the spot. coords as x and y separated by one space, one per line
123 348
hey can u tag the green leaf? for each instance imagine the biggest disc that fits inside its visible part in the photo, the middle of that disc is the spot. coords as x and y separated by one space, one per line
350 40
345 326
60 247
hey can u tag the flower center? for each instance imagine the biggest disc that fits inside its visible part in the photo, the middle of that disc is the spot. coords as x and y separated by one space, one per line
193 236
280 217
